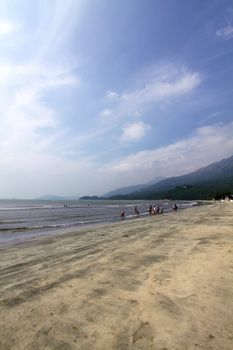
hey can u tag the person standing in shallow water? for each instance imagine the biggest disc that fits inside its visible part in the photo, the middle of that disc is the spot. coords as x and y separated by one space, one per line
174 207
136 210
150 209
122 214
161 209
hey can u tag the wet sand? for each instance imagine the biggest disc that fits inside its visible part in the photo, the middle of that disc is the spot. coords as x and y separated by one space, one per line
161 282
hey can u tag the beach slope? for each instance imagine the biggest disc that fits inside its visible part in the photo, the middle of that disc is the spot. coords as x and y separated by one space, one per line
161 282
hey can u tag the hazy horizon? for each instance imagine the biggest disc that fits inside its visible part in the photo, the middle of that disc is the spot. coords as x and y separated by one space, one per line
98 95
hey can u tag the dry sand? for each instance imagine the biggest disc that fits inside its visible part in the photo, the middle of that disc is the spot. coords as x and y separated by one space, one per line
162 282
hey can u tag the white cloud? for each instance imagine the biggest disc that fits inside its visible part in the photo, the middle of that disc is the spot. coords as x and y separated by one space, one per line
7 27
208 144
111 95
225 32
106 113
24 112
134 131
163 84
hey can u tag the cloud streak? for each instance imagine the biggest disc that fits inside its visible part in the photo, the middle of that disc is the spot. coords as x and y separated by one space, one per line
225 32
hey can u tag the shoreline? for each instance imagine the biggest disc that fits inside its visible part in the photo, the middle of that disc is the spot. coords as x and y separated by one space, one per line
23 234
161 282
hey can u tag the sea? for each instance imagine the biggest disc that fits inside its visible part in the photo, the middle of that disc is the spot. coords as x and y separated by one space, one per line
23 219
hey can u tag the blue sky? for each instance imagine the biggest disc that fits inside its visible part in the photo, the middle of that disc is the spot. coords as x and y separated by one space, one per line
97 95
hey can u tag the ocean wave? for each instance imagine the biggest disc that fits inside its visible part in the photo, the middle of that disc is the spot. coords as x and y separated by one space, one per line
38 227
29 208
52 226
188 204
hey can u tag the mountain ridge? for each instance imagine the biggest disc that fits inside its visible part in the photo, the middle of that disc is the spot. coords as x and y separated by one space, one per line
204 183
129 189
213 171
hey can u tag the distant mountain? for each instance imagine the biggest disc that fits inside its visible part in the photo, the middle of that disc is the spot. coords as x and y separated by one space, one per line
124 190
203 190
129 189
91 198
214 171
204 183
156 180
49 197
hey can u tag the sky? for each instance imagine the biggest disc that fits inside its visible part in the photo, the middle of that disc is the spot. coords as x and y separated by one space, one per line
101 94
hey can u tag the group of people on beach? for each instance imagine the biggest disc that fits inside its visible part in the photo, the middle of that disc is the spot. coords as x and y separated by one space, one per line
156 209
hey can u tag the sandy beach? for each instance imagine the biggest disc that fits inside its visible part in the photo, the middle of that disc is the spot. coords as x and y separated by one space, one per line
161 282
